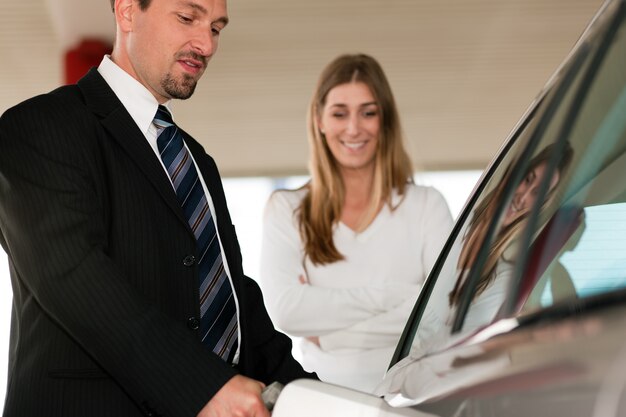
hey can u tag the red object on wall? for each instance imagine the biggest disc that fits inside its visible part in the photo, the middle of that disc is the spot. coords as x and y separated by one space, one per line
80 59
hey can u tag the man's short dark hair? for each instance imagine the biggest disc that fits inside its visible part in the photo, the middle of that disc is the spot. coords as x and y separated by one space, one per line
143 4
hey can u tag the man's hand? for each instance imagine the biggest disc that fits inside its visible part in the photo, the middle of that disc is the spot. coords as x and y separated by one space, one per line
239 397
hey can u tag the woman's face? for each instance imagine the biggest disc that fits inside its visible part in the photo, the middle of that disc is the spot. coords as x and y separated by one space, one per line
526 193
350 121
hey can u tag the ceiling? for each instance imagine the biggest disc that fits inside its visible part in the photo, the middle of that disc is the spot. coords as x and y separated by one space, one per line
463 71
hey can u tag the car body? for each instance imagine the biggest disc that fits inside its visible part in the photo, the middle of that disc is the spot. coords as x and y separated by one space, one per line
523 312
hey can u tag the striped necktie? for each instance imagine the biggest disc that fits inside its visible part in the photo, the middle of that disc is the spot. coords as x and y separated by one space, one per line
218 322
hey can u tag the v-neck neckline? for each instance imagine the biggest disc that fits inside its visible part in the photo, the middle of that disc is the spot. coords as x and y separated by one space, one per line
370 229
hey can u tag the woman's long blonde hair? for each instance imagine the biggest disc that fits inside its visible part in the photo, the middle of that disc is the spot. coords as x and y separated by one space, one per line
485 212
320 209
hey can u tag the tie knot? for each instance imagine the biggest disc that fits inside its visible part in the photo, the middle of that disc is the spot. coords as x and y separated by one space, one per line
163 117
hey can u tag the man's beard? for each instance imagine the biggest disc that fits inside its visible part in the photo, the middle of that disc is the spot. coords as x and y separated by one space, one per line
181 90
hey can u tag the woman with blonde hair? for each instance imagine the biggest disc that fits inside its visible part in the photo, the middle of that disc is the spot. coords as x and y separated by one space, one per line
344 256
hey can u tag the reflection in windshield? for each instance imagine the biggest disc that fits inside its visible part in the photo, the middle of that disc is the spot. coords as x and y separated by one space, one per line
495 275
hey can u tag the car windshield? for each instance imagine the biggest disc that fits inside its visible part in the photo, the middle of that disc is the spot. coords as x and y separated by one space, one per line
546 225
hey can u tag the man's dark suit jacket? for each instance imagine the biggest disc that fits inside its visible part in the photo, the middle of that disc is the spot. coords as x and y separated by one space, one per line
105 290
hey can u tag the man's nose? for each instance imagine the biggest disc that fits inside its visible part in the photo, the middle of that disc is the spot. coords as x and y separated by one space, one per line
204 42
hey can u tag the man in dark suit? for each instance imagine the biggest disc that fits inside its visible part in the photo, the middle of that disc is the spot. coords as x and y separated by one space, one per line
104 263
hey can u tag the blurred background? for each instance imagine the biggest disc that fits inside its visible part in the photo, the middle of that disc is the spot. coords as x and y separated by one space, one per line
463 72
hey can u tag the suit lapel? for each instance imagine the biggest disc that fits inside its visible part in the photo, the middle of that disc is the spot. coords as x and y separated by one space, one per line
117 121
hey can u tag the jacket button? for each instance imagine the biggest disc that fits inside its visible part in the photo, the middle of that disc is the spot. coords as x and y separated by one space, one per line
193 323
189 260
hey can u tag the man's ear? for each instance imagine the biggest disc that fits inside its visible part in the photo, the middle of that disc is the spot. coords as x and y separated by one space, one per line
124 14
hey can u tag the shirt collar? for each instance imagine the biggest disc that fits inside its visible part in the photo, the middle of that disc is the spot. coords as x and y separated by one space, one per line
138 101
